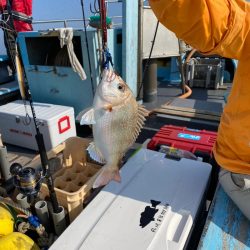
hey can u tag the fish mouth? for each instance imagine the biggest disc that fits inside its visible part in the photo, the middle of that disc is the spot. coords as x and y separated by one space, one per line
109 95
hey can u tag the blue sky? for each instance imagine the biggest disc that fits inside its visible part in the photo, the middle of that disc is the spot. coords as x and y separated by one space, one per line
60 9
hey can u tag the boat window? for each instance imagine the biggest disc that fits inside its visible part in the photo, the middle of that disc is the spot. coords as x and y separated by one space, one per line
47 51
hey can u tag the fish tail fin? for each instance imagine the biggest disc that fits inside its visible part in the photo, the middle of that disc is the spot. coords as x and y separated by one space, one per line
107 174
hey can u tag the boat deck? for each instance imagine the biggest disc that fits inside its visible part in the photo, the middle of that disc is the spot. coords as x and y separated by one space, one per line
201 100
226 227
221 218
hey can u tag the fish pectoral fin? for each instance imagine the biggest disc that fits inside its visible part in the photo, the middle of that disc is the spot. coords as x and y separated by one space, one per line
107 174
88 118
142 113
95 153
108 107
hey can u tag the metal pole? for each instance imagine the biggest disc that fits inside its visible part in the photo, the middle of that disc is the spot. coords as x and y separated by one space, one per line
181 68
140 47
150 81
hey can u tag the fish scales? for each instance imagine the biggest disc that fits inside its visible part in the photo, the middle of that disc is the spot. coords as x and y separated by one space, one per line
117 120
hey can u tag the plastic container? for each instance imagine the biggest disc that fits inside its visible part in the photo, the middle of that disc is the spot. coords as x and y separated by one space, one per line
155 207
199 142
177 154
74 180
56 123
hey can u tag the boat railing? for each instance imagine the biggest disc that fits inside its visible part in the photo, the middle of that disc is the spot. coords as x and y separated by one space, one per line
117 21
112 6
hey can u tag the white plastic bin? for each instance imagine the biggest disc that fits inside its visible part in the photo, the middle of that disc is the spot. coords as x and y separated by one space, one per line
154 207
56 123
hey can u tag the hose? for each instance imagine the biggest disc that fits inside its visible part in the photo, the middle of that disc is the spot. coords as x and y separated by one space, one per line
190 55
188 89
187 94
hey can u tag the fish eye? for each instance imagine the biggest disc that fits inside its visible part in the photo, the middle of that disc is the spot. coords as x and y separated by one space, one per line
121 87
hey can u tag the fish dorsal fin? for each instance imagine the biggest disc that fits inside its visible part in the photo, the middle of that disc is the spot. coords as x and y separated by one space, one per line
142 113
88 118
95 153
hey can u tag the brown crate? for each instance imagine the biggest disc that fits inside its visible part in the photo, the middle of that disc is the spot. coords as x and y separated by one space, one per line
74 180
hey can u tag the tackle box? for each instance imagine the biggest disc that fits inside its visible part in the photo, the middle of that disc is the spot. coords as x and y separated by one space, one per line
199 142
17 127
154 207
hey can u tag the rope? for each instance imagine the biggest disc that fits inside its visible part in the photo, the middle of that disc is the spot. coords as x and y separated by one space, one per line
23 227
14 205
33 221
41 231
44 239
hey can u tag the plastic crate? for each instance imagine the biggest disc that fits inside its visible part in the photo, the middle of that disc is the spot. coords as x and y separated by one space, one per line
74 180
199 142
205 72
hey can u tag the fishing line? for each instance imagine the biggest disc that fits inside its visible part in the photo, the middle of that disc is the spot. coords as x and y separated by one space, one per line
87 46
148 60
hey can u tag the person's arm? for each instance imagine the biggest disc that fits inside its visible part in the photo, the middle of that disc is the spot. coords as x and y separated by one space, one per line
211 26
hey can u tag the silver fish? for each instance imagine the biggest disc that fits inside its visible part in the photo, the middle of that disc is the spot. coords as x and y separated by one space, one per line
117 120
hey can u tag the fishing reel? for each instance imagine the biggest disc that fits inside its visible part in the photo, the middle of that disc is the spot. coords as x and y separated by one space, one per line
26 180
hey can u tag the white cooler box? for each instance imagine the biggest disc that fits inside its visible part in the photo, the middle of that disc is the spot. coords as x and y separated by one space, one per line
57 123
154 207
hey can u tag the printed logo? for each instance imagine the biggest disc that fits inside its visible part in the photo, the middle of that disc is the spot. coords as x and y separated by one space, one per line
148 214
160 218
189 137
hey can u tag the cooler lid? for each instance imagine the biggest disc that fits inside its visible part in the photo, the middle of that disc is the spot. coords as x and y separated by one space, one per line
44 111
152 208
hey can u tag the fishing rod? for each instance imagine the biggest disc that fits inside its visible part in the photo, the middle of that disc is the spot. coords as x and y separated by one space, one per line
26 94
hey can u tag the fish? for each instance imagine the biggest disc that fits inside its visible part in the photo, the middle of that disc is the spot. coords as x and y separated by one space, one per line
116 119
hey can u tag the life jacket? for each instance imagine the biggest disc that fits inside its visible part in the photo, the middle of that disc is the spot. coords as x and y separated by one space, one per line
2 5
21 12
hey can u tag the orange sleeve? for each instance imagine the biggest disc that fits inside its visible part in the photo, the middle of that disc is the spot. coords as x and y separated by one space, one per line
211 26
